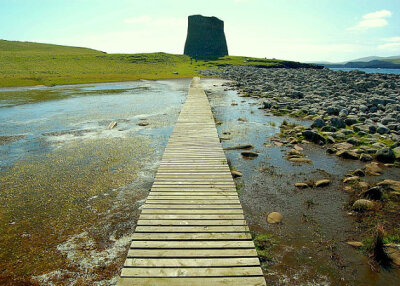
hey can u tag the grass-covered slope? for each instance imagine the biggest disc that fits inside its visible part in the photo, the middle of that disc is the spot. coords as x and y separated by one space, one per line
26 63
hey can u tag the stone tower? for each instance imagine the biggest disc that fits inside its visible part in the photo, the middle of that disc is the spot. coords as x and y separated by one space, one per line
205 37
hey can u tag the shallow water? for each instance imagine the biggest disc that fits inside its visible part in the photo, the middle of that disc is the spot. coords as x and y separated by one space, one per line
371 70
310 245
71 188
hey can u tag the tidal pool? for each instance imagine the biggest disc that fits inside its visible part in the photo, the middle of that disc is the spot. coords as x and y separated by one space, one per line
71 188
309 247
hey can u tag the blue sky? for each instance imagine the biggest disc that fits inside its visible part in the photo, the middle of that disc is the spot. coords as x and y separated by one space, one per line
303 30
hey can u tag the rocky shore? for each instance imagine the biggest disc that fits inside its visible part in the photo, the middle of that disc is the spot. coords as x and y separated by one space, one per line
353 115
360 109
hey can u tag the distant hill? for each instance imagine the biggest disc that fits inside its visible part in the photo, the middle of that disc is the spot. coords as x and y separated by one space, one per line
392 62
31 47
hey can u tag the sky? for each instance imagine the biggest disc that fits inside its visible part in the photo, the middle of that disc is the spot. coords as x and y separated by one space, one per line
300 30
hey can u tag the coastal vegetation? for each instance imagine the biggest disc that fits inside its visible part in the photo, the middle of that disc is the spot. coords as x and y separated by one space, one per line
29 64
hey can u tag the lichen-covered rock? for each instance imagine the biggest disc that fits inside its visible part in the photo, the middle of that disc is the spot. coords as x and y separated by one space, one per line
205 37
363 204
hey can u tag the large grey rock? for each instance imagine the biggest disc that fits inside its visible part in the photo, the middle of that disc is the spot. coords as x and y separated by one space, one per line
337 122
205 37
385 155
314 136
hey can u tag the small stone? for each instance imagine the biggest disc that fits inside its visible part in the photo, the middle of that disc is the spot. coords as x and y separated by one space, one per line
348 189
347 154
274 217
355 243
363 185
350 179
242 119
237 147
373 169
249 154
365 157
298 148
112 125
331 151
363 204
143 123
236 174
295 152
300 160
301 185
393 251
359 173
391 184
322 183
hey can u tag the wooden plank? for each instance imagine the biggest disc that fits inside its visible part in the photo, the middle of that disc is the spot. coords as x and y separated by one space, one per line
221 228
191 262
191 206
195 281
193 244
172 211
160 252
191 236
192 272
191 216
189 222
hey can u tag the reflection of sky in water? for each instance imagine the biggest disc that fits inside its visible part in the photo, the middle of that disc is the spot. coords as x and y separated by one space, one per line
79 114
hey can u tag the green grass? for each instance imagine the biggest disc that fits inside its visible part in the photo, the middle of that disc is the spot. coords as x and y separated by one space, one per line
26 64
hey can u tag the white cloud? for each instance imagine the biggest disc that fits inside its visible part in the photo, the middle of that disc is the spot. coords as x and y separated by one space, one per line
372 20
378 14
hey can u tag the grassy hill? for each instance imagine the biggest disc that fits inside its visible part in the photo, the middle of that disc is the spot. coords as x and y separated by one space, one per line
26 63
393 60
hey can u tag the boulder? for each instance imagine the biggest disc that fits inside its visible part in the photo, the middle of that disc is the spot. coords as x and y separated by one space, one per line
337 122
318 123
374 193
385 155
314 136
274 217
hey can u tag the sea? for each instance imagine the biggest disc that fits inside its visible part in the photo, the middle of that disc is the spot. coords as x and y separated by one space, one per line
392 71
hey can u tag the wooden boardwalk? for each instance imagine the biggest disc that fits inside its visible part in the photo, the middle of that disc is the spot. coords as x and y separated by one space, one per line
192 230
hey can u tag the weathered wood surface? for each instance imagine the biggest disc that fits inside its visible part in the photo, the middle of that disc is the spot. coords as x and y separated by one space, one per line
192 230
